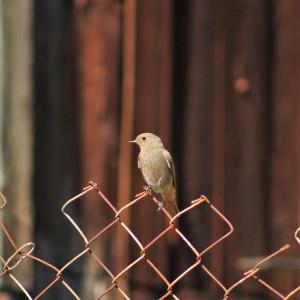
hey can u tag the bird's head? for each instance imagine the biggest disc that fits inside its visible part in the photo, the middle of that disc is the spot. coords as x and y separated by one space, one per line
147 140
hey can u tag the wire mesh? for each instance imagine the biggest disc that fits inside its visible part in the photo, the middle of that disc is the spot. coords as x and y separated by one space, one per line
25 251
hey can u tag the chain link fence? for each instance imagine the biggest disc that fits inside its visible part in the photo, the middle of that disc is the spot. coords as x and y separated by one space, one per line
25 252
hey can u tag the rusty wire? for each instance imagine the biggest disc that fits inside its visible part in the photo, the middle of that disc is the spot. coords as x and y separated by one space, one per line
25 251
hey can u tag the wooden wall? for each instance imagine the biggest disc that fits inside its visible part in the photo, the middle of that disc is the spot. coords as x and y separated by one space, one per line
218 81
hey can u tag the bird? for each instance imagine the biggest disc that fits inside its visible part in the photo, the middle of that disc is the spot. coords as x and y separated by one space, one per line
157 167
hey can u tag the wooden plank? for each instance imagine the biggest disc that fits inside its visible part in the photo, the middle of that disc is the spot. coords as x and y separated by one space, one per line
219 136
285 147
285 123
153 114
127 125
18 131
98 36
193 94
246 145
56 157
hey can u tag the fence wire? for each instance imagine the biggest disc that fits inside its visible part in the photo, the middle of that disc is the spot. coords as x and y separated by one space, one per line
25 251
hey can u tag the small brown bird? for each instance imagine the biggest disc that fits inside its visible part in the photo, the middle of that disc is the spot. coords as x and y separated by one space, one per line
158 170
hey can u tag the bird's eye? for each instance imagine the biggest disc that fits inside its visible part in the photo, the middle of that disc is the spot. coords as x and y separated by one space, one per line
143 138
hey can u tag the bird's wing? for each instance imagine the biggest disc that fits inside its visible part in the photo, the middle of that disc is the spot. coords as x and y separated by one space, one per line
170 164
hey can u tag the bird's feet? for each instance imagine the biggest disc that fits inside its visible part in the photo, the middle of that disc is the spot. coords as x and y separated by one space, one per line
160 205
147 189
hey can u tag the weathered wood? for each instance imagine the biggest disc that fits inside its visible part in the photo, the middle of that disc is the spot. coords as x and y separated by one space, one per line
56 159
126 130
284 190
2 59
285 147
193 92
246 144
98 45
219 136
17 117
153 114
98 30
218 83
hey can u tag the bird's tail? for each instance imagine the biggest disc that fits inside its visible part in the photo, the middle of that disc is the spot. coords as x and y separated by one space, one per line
170 199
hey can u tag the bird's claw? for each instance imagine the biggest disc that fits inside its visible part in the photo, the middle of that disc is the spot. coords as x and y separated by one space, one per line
160 206
147 189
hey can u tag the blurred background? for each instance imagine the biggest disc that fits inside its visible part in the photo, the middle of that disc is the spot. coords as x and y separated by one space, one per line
218 81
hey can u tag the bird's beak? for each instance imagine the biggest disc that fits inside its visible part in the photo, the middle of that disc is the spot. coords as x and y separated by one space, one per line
133 142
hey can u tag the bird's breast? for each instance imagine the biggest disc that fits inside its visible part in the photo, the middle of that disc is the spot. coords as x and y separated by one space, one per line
155 170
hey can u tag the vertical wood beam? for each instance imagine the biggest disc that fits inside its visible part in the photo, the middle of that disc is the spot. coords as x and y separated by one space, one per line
127 125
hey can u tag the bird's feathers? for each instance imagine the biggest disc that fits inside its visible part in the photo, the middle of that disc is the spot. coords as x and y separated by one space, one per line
157 167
